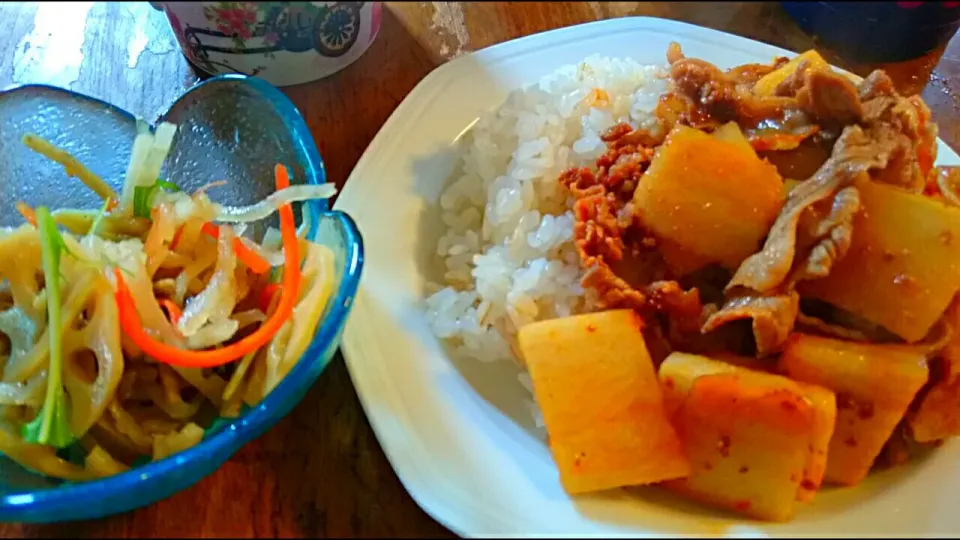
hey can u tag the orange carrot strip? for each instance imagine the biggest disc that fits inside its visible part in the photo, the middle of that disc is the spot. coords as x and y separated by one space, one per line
253 260
175 239
205 187
130 321
27 213
267 296
210 229
173 310
249 257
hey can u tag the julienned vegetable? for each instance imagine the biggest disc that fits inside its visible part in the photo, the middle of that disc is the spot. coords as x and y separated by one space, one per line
262 209
109 322
251 258
150 149
70 164
173 310
52 425
29 215
130 320
100 215
143 196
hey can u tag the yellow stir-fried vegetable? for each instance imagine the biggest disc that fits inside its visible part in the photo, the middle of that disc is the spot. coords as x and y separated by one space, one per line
131 328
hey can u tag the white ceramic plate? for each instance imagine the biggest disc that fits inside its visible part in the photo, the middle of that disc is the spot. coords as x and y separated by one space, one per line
459 436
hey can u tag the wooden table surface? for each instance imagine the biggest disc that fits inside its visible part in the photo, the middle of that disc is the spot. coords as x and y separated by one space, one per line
321 472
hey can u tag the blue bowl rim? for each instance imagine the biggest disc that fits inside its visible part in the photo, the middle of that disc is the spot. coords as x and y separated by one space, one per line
46 504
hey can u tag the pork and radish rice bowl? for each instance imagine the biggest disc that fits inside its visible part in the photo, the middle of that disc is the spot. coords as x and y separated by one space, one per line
128 330
739 285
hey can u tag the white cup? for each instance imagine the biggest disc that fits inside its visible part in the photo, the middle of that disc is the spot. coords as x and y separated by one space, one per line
285 43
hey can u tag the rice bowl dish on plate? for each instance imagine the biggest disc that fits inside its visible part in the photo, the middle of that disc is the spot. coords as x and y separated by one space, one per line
536 236
686 306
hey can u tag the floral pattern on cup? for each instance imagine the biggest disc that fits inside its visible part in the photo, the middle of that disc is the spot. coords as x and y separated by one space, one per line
247 37
236 19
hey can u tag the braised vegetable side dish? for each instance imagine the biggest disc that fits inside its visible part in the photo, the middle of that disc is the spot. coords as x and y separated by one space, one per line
757 295
130 329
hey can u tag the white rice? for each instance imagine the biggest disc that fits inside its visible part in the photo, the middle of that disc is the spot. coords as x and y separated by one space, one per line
508 253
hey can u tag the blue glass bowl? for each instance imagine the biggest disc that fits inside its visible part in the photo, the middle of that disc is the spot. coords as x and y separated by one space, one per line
232 127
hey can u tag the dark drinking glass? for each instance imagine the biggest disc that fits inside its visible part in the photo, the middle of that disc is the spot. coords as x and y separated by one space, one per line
878 32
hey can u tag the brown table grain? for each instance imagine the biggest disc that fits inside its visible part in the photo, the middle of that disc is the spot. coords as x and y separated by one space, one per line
321 472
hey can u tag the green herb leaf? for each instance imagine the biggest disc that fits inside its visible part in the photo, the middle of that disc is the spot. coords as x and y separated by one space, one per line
97 220
169 186
52 425
276 274
54 431
143 196
75 453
